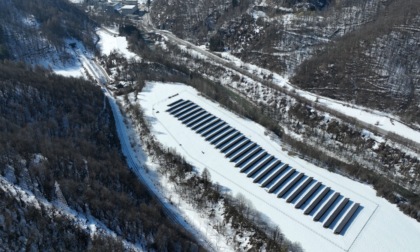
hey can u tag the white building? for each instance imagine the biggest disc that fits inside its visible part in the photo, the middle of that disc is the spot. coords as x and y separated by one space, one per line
128 9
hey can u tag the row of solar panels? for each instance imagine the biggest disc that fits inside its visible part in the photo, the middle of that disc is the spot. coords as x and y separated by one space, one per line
305 192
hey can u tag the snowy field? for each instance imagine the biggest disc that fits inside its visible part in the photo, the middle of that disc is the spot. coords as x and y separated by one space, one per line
110 41
379 226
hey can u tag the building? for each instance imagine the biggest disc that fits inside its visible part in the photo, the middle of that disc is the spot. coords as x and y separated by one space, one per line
130 2
129 9
112 6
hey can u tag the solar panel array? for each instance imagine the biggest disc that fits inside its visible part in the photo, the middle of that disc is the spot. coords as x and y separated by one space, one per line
306 193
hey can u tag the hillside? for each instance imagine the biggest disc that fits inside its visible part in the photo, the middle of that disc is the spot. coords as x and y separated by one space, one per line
347 50
375 66
58 142
39 32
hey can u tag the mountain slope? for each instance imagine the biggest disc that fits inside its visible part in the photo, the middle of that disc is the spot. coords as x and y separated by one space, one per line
372 46
38 32
58 141
375 66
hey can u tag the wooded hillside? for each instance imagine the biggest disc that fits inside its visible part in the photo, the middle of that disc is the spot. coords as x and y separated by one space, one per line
58 141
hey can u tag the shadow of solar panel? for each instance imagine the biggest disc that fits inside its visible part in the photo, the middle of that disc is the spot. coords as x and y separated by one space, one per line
199 119
308 195
282 180
326 206
186 111
260 166
299 189
346 219
175 102
249 157
195 112
224 129
243 151
290 185
317 200
182 109
177 106
336 212
267 171
270 179
254 161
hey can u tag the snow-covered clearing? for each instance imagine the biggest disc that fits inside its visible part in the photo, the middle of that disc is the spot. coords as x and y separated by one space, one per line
380 226
71 71
110 41
70 68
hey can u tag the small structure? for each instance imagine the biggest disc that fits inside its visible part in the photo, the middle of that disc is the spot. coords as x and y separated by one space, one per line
130 2
112 6
128 9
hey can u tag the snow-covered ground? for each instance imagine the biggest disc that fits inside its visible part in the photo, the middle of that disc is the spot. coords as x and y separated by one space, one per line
79 66
381 120
77 1
110 41
379 226
54 209
73 67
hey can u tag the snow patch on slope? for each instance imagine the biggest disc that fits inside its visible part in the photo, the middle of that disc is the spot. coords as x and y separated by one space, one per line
110 42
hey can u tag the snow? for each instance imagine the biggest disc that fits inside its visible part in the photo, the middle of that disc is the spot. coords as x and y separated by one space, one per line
193 53
258 14
380 226
137 161
71 71
69 68
183 213
110 42
86 222
379 119
128 7
77 1
78 65
383 121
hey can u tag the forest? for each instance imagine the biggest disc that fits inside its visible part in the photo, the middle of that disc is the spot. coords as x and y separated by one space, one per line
58 141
